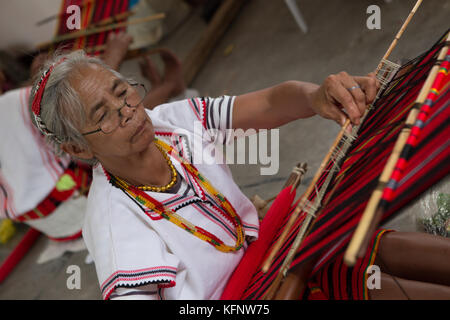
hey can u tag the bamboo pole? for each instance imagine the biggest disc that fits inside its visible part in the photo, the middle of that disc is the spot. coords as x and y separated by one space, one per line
268 262
274 287
356 246
87 32
112 19
400 32
294 180
393 44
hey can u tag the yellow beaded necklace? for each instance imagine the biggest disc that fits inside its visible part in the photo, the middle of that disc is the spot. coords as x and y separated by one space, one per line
156 188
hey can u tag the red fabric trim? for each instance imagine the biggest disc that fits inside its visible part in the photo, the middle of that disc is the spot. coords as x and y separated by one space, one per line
204 112
136 271
36 104
68 238
162 133
19 251
195 112
167 285
108 289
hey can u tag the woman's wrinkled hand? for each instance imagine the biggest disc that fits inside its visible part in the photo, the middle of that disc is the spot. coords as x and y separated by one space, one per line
343 97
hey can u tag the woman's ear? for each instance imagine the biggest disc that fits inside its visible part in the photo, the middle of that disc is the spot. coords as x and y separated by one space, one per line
77 151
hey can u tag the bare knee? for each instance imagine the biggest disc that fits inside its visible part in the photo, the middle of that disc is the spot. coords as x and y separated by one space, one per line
394 288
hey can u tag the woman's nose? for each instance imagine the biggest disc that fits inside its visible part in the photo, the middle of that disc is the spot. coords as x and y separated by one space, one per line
126 113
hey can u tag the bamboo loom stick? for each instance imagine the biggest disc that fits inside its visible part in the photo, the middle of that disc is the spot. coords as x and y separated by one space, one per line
272 291
112 19
267 263
296 176
359 238
87 32
400 32
293 181
393 43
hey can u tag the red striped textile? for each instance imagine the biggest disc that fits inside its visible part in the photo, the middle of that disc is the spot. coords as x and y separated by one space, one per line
336 281
419 152
367 157
271 223
351 187
92 12
260 282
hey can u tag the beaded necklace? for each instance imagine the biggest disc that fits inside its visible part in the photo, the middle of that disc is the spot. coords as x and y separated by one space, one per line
155 188
154 205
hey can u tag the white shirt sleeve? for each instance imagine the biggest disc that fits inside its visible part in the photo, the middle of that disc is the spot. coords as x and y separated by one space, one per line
145 292
215 115
219 114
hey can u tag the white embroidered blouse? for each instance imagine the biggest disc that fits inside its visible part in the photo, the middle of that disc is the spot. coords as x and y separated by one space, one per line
137 257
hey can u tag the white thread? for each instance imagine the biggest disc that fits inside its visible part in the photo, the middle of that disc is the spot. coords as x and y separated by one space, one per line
310 208
387 71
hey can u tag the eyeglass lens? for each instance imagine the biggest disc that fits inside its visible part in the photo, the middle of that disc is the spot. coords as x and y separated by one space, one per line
133 98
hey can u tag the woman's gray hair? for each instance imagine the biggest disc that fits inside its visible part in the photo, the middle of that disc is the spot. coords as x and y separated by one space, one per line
61 107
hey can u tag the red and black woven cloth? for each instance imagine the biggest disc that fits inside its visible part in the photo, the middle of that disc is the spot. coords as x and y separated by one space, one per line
424 161
92 12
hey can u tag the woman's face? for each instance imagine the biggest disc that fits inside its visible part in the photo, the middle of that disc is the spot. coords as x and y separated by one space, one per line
102 93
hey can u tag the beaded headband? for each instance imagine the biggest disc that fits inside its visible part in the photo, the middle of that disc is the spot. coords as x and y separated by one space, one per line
36 104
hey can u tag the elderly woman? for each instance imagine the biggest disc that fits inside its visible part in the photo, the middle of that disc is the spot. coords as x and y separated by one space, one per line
157 225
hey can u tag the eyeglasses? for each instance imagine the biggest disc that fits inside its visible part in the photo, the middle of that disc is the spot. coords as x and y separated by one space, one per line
110 121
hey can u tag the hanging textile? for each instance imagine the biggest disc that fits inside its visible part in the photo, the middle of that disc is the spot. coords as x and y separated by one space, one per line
93 13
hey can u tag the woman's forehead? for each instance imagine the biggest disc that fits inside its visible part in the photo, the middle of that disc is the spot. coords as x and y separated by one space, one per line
90 81
90 74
